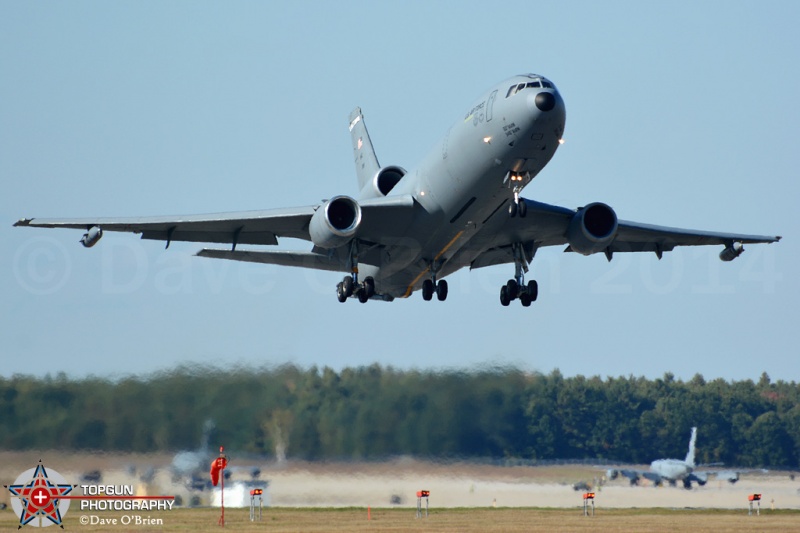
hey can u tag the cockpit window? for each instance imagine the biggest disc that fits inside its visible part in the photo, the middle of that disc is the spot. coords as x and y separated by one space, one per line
514 89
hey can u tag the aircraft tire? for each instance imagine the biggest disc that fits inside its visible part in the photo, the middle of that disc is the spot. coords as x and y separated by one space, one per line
441 290
369 286
427 290
347 283
513 289
340 295
363 296
533 290
504 299
512 209
523 209
525 299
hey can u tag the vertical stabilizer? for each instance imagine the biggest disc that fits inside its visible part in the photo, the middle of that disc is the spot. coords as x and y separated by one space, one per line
690 455
363 153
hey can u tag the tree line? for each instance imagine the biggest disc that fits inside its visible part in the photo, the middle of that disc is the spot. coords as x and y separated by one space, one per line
374 412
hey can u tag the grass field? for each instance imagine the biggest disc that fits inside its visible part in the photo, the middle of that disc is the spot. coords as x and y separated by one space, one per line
459 519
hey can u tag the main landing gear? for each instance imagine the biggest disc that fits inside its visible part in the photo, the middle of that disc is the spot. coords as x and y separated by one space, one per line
431 286
350 286
517 288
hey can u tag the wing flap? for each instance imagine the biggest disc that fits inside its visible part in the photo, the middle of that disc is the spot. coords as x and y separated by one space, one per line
311 260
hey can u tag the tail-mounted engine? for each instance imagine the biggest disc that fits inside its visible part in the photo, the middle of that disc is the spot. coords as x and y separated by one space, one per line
335 223
383 182
592 229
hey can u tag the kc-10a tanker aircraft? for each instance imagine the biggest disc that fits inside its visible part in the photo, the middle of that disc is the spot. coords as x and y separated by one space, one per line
460 207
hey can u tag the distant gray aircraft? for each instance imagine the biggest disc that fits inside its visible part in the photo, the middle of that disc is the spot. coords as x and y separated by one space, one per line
460 207
674 470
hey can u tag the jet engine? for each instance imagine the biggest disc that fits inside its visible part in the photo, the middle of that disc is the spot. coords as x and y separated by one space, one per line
335 223
90 238
731 252
592 229
383 182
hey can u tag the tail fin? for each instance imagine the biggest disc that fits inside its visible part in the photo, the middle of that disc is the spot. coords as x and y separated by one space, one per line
690 455
363 152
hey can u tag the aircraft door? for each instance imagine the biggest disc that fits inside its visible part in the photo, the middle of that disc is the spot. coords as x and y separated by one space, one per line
489 105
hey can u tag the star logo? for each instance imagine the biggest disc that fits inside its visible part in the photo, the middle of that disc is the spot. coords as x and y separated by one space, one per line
36 497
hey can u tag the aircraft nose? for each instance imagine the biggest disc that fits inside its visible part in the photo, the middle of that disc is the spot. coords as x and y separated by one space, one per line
545 101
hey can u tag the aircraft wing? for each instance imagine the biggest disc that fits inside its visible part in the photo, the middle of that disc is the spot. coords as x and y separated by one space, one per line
383 221
547 225
246 227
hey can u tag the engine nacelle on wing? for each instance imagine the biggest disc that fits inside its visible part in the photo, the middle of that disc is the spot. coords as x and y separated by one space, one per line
335 223
732 252
90 238
592 229
383 182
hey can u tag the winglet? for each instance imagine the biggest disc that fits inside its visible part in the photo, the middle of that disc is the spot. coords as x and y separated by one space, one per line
23 222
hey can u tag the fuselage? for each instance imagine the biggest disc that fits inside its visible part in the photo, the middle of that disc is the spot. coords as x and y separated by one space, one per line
502 141
671 469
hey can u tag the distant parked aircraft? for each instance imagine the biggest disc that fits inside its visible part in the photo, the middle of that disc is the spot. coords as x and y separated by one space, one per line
674 470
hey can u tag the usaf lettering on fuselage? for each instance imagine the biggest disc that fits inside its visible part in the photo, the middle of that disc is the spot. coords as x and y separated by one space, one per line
476 118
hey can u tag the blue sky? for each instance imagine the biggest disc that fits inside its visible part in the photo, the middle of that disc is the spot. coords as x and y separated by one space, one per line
681 113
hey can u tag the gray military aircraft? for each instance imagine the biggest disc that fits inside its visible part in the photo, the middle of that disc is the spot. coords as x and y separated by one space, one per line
674 470
460 207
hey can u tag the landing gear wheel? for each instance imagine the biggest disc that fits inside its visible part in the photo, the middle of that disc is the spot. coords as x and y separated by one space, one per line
512 289
347 284
427 290
441 290
525 299
523 209
504 299
512 209
363 296
533 290
369 287
340 294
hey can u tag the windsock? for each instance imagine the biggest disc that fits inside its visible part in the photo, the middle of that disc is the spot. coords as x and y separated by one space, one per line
217 466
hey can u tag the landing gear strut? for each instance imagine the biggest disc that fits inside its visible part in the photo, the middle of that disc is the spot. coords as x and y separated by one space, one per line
516 288
518 206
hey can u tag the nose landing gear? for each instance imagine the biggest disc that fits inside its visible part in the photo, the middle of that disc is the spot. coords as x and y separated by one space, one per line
516 181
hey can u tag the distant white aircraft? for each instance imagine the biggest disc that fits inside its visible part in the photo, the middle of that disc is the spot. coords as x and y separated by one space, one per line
674 470
460 207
